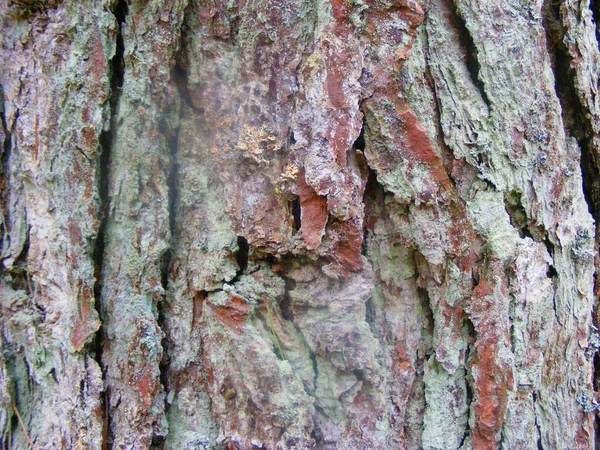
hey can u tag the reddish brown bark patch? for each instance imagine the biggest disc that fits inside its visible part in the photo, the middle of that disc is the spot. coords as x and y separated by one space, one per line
492 372
234 314
313 213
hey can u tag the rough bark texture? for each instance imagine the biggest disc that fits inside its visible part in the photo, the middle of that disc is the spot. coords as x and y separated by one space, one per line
329 224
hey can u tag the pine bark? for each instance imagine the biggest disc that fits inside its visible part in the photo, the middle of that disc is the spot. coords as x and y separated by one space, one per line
314 224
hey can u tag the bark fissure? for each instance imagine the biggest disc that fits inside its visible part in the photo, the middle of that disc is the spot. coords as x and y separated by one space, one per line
536 421
576 116
468 386
106 141
294 206
7 136
472 61
166 261
117 68
241 256
595 8
4 155
577 120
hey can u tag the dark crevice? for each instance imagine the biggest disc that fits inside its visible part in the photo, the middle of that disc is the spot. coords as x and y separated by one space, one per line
595 8
448 158
472 61
287 311
294 207
428 326
537 425
241 256
158 443
7 135
373 193
169 126
577 120
549 246
315 364
574 112
106 141
117 68
4 170
166 260
179 78
359 143
516 213
172 176
551 272
370 312
520 221
19 275
468 381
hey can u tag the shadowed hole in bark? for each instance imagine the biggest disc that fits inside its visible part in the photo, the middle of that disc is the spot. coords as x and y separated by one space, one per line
472 61
519 220
549 247
373 198
551 272
316 433
287 311
370 312
428 312
165 262
241 256
359 143
294 207
371 188
360 375
158 443
516 212
315 364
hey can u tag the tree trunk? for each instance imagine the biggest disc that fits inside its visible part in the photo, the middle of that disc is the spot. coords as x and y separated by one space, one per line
328 224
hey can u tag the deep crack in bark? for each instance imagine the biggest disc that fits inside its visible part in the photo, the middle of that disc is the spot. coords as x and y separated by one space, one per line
106 140
4 154
467 43
578 124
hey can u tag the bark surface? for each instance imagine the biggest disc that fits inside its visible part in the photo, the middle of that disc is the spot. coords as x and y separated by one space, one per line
314 224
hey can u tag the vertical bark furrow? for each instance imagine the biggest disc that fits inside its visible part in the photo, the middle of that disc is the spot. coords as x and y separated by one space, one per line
480 151
137 230
56 120
466 40
115 67
580 43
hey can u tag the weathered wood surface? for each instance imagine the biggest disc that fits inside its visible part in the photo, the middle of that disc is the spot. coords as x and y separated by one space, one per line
329 224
